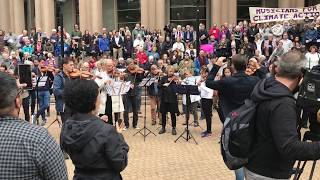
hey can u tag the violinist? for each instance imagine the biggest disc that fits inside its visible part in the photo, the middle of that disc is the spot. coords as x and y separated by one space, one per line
135 75
59 82
168 100
153 93
44 81
106 73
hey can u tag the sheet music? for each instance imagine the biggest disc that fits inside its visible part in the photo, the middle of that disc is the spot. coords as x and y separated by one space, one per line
192 80
144 81
42 81
118 88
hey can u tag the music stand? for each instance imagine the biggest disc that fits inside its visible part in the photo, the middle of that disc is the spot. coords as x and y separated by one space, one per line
146 82
56 120
187 90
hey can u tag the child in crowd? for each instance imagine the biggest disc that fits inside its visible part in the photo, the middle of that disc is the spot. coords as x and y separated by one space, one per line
191 80
206 95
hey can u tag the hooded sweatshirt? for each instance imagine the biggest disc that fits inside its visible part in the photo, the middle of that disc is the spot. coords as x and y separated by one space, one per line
97 151
277 145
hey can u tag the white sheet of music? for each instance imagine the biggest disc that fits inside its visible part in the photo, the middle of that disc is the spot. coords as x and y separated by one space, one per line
150 81
192 80
42 81
118 88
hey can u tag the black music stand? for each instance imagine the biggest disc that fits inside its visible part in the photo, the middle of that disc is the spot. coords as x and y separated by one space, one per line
146 82
56 120
187 90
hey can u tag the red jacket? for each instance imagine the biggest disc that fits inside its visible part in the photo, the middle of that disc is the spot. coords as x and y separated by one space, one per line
215 32
142 56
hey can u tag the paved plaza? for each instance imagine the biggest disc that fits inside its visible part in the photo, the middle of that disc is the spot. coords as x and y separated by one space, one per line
159 158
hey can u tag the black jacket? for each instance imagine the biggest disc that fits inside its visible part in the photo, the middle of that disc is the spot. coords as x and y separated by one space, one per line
120 43
97 151
277 144
232 90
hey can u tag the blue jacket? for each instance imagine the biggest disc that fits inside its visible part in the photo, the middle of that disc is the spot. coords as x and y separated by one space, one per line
197 65
58 86
57 49
104 44
28 49
311 35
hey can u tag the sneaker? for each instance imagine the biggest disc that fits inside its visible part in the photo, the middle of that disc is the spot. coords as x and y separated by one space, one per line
207 134
162 131
204 132
33 119
137 128
124 129
153 123
196 124
174 132
44 121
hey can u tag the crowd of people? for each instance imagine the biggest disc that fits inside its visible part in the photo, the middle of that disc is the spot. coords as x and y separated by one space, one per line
238 58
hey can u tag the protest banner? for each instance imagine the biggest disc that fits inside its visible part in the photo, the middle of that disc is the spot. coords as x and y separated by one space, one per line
262 14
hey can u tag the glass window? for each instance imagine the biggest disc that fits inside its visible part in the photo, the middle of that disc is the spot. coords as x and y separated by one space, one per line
129 13
243 8
184 12
311 2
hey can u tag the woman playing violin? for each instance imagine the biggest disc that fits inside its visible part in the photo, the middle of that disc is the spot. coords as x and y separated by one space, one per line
134 74
169 100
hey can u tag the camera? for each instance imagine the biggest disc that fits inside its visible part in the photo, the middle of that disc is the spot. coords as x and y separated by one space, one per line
309 98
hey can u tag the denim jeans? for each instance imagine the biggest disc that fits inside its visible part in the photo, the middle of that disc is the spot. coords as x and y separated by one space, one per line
253 176
44 100
239 174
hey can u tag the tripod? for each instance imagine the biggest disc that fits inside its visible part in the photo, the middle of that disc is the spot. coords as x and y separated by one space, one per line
56 120
145 129
187 131
308 136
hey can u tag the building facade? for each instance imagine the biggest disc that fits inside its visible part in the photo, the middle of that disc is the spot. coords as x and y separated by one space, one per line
92 15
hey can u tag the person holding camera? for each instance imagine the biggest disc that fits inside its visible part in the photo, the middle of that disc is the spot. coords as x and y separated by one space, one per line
232 90
277 144
96 148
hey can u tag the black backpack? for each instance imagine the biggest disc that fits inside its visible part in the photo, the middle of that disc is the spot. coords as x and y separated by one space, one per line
238 134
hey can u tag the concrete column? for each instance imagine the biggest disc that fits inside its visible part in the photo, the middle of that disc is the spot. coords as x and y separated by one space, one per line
38 13
96 15
216 12
225 11
18 23
160 14
300 3
48 18
285 3
152 14
232 12
83 15
44 15
144 12
4 13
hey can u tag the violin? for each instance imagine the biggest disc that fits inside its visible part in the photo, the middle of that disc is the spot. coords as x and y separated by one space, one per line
135 69
76 73
48 68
